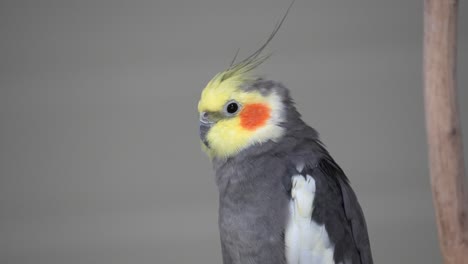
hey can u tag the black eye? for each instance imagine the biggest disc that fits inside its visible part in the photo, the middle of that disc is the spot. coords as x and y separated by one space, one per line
232 108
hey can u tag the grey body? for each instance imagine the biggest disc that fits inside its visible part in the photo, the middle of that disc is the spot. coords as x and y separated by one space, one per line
254 193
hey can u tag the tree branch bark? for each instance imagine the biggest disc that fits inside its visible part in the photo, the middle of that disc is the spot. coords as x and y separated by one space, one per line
443 129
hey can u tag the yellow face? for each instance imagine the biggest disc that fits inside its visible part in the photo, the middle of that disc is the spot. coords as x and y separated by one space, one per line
233 119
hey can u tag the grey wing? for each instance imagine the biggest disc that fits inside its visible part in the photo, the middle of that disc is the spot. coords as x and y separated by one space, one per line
352 241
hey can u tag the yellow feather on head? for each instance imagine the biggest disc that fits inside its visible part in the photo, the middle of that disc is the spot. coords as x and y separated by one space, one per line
229 134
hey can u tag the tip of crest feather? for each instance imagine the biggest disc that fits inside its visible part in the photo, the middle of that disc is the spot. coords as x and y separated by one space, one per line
240 71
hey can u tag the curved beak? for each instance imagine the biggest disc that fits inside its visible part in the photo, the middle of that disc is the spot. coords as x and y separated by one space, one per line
205 125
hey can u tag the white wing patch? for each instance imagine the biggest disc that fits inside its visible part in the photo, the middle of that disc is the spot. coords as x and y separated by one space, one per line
306 241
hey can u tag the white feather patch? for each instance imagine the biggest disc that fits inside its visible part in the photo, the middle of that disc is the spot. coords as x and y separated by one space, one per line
306 241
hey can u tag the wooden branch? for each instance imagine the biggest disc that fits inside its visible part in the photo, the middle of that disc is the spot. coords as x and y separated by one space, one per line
443 129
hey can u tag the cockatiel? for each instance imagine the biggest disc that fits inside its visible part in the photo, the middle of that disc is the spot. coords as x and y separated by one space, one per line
282 197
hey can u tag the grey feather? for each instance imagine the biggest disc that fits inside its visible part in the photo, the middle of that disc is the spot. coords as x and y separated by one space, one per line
254 194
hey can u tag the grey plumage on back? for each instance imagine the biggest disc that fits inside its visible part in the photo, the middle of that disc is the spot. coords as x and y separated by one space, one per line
255 191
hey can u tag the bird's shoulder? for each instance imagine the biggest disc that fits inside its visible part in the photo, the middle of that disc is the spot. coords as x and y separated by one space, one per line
335 205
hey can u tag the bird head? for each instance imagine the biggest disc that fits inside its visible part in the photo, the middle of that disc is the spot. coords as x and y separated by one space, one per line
237 112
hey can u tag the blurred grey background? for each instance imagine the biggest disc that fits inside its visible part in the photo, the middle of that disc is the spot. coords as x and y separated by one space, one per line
99 153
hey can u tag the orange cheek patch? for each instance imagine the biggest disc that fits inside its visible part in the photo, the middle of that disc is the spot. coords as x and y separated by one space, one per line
254 116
